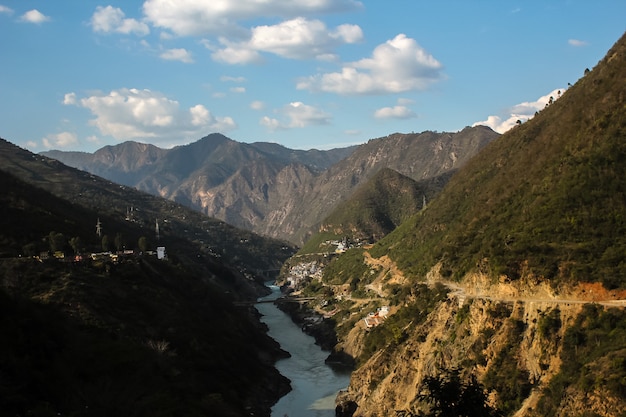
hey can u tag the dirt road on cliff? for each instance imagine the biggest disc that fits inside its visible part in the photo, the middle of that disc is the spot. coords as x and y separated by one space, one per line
584 293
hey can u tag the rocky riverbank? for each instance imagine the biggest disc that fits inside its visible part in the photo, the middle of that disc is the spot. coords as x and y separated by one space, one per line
321 329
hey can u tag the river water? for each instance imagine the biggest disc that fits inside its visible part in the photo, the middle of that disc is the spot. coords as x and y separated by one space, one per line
314 384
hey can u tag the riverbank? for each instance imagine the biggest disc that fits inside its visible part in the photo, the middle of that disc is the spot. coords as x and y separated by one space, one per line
322 329
315 384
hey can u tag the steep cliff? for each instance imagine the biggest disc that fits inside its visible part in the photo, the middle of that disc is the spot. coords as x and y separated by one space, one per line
511 336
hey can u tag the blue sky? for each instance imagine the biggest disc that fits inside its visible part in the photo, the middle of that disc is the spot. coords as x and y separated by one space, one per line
82 74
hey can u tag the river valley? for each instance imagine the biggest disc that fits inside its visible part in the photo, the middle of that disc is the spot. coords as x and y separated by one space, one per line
314 384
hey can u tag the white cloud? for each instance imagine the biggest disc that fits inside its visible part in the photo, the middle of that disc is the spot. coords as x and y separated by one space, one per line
69 99
131 113
397 66
238 90
234 53
5 9
198 17
177 54
111 19
60 140
522 112
300 38
396 112
34 16
298 115
227 78
577 43
257 105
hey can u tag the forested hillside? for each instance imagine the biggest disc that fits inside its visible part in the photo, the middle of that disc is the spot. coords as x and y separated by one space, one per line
548 196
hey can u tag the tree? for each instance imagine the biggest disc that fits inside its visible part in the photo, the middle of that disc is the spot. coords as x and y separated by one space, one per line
119 242
449 396
106 243
142 244
77 244
57 241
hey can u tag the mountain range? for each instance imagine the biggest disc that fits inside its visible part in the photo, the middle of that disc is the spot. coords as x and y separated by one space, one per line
269 189
493 281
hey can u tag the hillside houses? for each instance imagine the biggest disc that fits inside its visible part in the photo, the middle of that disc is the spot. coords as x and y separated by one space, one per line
302 273
374 319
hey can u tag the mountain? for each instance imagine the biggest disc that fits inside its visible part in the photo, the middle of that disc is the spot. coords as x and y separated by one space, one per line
247 251
272 190
506 295
545 199
122 332
418 156
375 208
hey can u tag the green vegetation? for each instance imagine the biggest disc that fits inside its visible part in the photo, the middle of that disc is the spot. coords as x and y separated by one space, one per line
594 358
549 324
449 396
348 268
548 196
378 206
318 243
394 330
505 375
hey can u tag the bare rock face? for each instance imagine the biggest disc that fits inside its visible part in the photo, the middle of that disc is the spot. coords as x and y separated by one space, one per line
490 330
269 189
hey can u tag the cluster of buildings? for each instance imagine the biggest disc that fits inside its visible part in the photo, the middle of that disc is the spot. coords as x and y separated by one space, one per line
302 273
374 319
101 256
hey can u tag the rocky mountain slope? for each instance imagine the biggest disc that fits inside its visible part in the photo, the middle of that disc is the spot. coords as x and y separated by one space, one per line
513 276
267 188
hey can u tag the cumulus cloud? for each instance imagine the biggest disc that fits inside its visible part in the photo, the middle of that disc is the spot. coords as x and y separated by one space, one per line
60 140
396 112
69 99
397 66
177 54
34 16
234 53
5 10
111 19
298 38
297 115
520 112
200 17
131 113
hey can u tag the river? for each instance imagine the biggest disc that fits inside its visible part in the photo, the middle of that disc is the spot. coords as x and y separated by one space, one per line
314 384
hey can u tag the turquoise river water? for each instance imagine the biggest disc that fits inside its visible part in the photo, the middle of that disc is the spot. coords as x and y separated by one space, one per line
314 384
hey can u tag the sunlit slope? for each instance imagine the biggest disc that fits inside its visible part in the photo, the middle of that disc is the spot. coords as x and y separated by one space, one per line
548 197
